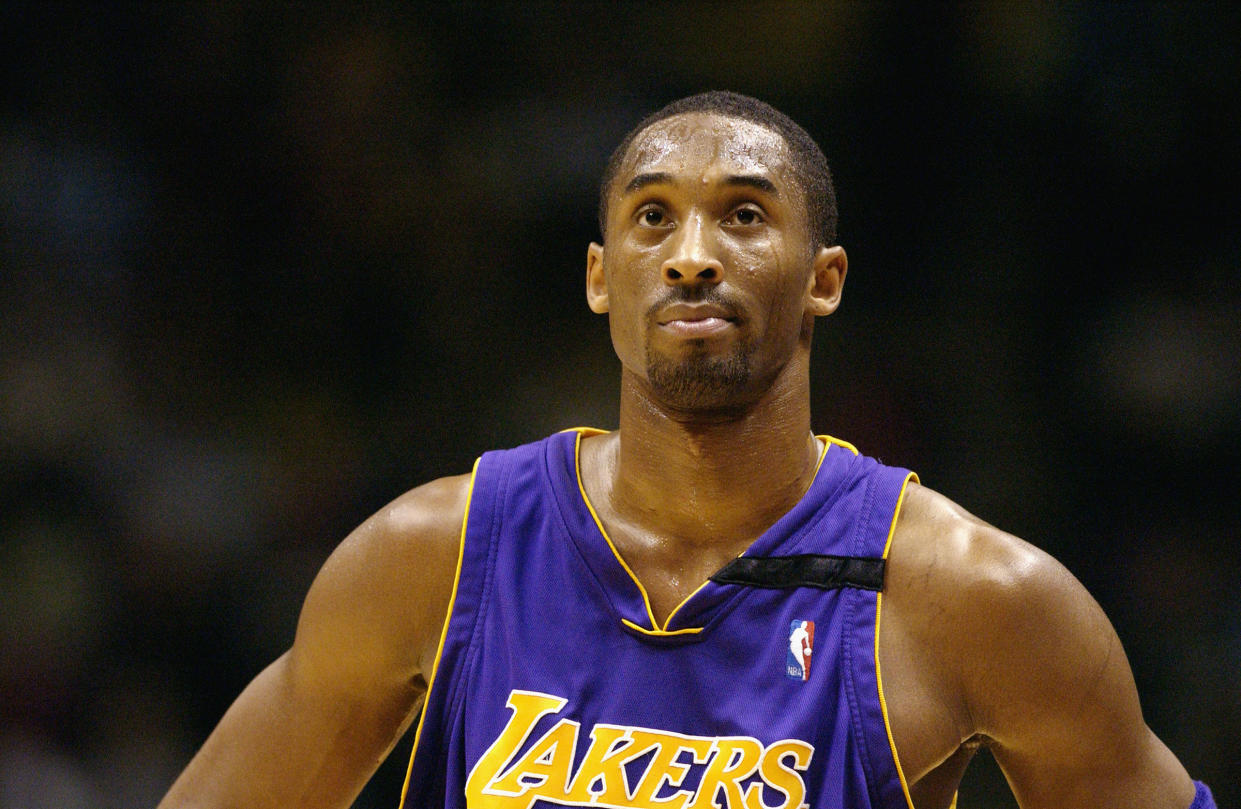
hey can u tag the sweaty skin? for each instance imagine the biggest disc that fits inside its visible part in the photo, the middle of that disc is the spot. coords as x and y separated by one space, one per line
711 284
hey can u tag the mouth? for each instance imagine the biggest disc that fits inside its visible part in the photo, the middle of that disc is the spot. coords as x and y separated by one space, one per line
696 320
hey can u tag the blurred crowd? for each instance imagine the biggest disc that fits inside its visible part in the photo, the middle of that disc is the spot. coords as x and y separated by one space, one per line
264 266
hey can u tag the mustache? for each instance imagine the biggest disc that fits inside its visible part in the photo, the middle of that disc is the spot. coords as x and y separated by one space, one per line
692 294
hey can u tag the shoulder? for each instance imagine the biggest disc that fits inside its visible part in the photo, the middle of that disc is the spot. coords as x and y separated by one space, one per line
384 592
995 640
418 531
425 519
996 607
962 560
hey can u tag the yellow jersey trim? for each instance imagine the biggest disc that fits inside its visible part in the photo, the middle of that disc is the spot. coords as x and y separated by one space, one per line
661 633
883 704
577 468
586 431
439 649
830 440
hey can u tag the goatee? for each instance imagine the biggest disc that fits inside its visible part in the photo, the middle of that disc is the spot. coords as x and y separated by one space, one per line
699 380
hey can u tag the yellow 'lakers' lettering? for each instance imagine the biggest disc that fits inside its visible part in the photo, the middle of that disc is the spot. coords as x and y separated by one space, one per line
666 768
546 764
735 760
611 748
528 708
783 778
631 766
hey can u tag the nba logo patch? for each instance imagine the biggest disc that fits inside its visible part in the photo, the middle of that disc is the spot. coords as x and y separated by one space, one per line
801 647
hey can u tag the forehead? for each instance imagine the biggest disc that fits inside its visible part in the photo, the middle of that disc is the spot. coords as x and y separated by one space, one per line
702 144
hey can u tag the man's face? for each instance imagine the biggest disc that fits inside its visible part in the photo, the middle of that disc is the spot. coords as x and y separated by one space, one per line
707 271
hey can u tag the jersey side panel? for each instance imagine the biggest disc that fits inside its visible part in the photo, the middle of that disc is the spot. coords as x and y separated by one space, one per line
888 784
436 758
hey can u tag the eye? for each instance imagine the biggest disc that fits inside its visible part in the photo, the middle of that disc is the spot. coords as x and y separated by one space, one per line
652 217
745 217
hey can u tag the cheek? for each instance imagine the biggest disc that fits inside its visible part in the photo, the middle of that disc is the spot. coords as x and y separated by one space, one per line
626 316
777 280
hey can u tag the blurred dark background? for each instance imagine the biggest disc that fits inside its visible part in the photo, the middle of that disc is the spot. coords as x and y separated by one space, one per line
264 266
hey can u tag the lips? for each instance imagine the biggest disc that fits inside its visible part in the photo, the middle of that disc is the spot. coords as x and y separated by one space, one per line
696 319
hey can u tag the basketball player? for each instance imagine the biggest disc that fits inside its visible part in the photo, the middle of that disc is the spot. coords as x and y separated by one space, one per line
608 618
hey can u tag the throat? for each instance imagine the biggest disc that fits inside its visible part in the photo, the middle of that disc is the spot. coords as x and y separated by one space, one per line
697 496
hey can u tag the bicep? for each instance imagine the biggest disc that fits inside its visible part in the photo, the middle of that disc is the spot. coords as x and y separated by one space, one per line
1051 688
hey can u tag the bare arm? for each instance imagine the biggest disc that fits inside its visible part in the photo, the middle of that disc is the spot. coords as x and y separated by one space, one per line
1027 664
311 729
1058 701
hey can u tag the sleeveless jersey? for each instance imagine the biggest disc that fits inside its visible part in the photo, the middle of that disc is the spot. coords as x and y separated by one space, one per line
554 685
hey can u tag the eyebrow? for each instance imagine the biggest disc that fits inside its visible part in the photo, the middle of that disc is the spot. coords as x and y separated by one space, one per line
752 181
755 181
650 178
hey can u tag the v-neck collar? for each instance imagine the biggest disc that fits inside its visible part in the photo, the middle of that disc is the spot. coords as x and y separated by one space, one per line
626 593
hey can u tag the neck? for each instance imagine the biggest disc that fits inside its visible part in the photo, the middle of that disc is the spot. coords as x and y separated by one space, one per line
707 478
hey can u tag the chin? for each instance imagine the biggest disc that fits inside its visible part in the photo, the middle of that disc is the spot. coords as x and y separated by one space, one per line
700 382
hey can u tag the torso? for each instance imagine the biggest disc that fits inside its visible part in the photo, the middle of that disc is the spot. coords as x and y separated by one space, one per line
732 682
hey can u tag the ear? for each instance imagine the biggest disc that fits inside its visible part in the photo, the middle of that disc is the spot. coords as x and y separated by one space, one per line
596 282
827 281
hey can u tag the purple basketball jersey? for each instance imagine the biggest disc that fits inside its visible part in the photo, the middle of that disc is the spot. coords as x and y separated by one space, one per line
554 687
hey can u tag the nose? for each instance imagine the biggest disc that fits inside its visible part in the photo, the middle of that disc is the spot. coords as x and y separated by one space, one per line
692 261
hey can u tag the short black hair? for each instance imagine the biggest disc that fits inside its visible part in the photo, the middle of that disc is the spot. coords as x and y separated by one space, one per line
809 165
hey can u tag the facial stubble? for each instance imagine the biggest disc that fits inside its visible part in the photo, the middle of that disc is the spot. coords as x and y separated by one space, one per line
700 380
